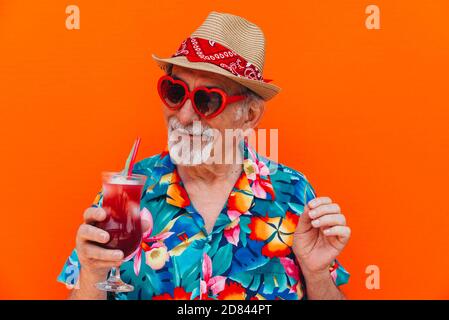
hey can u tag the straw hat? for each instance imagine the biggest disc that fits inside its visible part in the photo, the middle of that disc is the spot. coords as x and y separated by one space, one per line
228 45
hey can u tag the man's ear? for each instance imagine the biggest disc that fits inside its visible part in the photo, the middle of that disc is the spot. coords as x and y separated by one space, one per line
255 111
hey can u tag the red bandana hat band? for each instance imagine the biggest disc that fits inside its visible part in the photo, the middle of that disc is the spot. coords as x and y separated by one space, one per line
202 50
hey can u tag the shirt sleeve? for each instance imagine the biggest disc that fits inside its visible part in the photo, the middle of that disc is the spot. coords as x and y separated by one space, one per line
338 273
69 274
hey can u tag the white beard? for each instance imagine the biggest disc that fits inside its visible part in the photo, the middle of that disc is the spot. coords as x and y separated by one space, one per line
189 145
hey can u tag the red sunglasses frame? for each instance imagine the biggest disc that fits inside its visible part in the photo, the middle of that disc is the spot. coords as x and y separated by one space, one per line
225 99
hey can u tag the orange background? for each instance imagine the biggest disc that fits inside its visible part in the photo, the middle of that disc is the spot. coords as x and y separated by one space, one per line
363 114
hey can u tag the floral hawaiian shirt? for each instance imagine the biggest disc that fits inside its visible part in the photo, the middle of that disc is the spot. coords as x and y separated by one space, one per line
247 255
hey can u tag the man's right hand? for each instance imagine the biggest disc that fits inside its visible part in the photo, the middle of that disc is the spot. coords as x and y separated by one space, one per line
95 261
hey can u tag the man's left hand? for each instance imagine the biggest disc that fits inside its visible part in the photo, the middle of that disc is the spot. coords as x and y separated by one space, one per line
320 236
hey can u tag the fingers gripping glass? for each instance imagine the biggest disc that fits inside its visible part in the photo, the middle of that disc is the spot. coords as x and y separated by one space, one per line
207 102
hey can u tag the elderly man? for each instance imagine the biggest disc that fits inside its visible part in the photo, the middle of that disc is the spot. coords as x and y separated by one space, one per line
215 229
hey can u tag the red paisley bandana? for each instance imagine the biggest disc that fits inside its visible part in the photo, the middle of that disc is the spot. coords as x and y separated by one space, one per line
202 50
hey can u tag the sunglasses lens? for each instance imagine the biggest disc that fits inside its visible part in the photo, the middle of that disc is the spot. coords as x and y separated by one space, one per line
172 93
207 102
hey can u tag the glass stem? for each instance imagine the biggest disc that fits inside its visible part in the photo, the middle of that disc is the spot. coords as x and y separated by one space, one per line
115 274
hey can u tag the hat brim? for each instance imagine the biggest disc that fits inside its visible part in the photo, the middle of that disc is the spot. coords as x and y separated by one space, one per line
263 89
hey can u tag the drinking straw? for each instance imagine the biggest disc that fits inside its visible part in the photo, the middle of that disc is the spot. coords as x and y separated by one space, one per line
132 157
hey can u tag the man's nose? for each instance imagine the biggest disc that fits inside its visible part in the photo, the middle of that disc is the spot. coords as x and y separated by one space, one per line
186 115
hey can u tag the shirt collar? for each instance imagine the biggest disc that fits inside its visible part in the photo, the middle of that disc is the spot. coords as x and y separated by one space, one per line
254 181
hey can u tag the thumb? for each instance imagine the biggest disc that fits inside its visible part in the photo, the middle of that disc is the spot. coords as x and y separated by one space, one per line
304 222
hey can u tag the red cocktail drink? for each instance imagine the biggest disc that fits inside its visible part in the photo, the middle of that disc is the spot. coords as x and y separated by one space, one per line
121 201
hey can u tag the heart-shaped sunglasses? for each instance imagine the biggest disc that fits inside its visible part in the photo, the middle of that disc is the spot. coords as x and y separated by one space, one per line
207 102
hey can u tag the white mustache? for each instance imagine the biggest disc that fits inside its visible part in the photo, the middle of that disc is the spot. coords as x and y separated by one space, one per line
191 129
